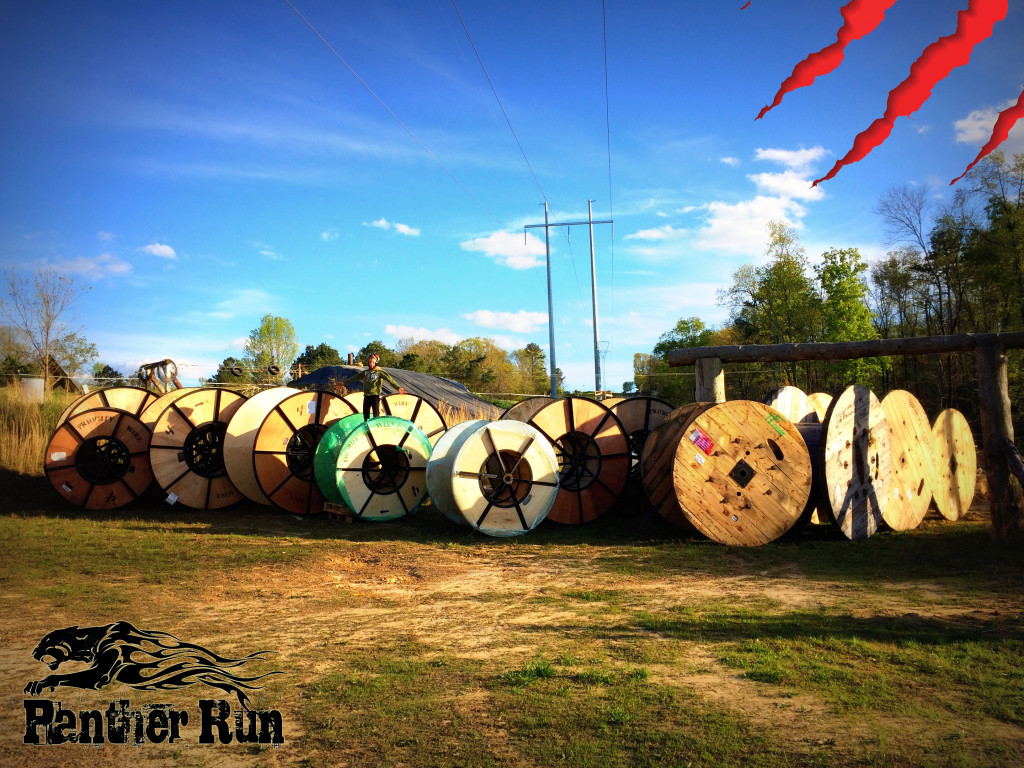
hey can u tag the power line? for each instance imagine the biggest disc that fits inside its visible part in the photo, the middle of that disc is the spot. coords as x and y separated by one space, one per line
608 134
391 112
498 99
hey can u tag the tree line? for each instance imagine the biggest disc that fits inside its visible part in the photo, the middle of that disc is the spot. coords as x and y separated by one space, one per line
952 268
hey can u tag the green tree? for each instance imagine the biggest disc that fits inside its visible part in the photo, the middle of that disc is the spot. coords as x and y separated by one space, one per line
226 373
531 364
315 358
103 375
272 344
388 357
73 351
38 310
688 332
844 311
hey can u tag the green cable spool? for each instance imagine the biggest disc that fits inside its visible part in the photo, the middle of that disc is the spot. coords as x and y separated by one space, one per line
381 468
325 460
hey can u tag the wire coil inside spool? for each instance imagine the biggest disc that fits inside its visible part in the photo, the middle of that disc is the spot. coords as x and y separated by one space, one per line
500 477
187 449
99 459
913 470
856 463
381 468
956 464
593 454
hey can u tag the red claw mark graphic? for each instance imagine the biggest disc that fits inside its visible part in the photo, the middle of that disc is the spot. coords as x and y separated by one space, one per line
860 18
1000 131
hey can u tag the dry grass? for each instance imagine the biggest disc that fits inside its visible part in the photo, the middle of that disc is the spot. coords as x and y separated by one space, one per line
453 415
26 429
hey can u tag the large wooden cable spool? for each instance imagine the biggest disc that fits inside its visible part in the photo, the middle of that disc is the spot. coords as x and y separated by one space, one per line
240 440
285 446
439 468
657 462
99 459
742 473
639 417
593 453
790 401
524 410
381 468
956 464
187 449
155 407
913 469
131 400
417 410
325 460
817 408
856 463
503 477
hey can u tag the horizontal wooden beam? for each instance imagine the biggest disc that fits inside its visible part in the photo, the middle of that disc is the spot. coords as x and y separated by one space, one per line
846 350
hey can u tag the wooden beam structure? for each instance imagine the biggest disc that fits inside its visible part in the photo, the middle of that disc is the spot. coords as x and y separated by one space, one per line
1006 496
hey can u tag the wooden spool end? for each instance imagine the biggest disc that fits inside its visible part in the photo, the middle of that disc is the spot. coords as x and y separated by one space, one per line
187 449
284 449
956 464
99 459
593 453
657 460
131 400
742 473
639 417
817 408
417 410
524 410
913 469
856 462
790 401
155 407
241 437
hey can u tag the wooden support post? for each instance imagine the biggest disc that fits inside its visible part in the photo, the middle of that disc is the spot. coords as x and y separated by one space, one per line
710 380
1006 498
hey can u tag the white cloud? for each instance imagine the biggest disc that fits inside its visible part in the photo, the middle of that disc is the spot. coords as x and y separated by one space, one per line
789 184
519 322
732 161
743 227
160 250
447 335
105 236
795 159
330 235
104 265
402 229
510 343
268 251
509 249
666 232
976 129
243 302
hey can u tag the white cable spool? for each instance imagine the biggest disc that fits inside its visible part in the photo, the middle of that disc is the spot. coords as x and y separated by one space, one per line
241 438
439 467
504 478
382 468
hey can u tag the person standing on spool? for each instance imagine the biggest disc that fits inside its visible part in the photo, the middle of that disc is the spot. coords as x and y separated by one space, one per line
373 384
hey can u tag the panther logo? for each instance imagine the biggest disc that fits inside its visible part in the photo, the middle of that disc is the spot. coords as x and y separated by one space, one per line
144 659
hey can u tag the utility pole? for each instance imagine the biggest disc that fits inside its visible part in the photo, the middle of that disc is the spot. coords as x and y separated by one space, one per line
593 282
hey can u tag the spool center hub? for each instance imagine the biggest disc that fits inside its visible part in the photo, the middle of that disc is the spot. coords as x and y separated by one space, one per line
508 487
385 469
579 460
103 460
301 450
204 450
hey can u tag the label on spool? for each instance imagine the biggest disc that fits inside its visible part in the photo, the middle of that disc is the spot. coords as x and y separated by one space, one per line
896 493
311 407
910 493
699 459
773 420
171 498
58 456
67 488
700 438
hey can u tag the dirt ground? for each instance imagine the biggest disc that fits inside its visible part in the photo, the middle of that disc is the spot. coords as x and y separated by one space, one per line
362 596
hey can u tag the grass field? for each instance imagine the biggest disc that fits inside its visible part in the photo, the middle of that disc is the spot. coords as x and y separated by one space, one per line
418 643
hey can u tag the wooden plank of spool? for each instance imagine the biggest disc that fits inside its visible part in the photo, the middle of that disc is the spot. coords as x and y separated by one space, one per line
956 464
790 401
155 407
99 459
742 473
658 458
593 457
187 449
639 417
817 407
131 400
856 462
382 468
913 469
440 468
285 448
610 402
417 410
525 410
504 478
240 440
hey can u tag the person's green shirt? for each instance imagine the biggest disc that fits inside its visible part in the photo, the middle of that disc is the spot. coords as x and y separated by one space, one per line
373 379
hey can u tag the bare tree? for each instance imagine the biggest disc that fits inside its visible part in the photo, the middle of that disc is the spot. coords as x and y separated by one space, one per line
38 308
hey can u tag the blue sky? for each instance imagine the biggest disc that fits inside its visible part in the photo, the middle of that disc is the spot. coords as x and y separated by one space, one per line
201 164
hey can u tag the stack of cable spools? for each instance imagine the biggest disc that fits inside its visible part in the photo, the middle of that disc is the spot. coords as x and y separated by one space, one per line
740 472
